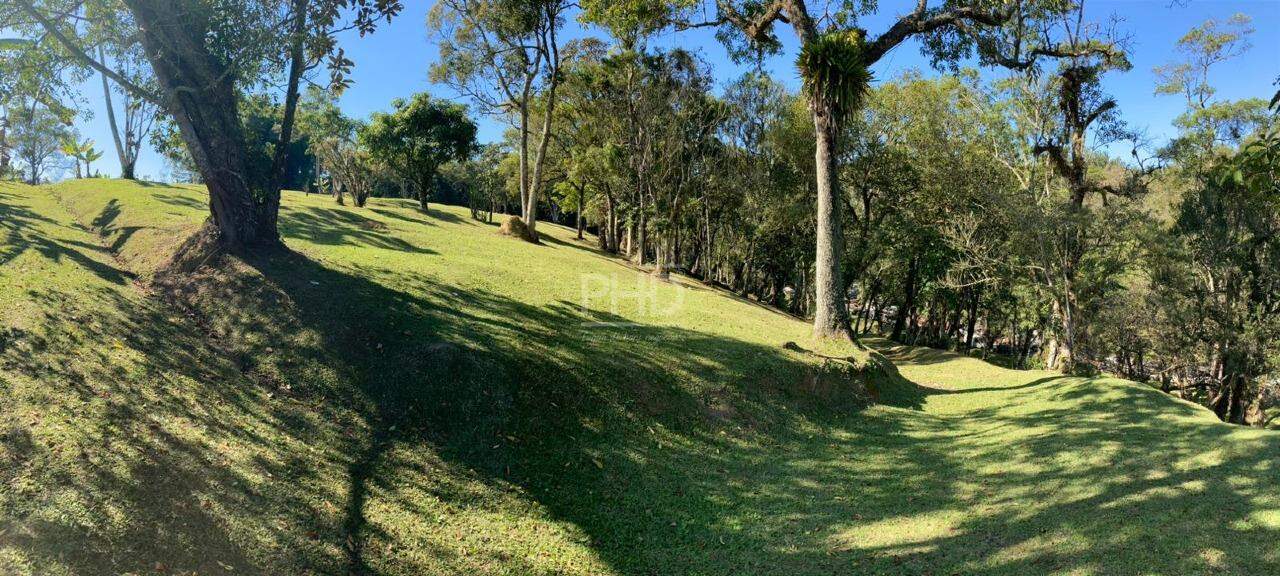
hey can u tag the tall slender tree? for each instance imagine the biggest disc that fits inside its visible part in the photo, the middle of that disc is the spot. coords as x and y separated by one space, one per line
505 55
835 60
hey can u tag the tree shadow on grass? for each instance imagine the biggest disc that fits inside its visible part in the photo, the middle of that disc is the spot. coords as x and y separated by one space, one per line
343 227
604 430
557 403
349 420
467 398
180 201
25 230
409 212
1132 486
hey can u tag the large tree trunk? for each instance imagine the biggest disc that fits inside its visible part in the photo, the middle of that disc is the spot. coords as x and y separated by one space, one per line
200 95
831 315
424 195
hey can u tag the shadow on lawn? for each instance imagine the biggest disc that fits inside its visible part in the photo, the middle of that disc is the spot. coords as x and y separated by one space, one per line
543 401
343 227
612 439
96 480
22 229
424 393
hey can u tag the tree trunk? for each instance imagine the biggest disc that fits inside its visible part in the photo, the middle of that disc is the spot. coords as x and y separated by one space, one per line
831 316
126 163
424 195
201 97
1067 344
638 249
580 195
297 62
908 302
128 168
973 318
662 257
1026 347
535 186
5 158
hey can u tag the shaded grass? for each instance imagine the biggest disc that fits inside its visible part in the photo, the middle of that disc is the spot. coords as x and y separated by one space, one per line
412 394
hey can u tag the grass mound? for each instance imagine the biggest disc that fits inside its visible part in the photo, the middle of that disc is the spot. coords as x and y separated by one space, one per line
404 394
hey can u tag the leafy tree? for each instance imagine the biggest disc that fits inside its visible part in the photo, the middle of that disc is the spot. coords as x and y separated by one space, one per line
201 53
36 136
329 136
1220 284
349 168
418 136
1084 109
835 59
504 55
139 114
1208 126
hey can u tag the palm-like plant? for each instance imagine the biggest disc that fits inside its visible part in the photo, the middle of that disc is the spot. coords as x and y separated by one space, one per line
81 152
835 72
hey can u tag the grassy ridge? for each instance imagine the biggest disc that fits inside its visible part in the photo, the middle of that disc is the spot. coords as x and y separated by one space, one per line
414 394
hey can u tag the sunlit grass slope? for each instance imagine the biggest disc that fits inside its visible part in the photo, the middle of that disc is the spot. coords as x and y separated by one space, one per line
410 394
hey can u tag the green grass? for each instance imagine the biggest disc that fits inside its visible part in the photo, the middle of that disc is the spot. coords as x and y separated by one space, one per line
409 394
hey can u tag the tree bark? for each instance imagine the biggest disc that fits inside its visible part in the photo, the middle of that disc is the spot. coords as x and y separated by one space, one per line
424 194
975 293
831 315
581 193
200 95
5 158
126 163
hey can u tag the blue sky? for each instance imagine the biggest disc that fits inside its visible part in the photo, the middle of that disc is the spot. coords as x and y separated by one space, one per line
393 63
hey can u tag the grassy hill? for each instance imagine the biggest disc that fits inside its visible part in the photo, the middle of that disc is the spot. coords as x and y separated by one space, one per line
410 394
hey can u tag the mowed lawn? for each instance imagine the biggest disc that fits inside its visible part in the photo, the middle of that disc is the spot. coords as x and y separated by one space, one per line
415 394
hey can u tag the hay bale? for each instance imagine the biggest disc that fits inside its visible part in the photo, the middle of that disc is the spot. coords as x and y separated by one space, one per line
514 226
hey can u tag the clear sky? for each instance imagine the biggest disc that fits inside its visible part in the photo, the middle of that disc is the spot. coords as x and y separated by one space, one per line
393 63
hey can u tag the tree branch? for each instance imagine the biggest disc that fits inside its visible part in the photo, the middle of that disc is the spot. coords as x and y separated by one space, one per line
79 53
917 23
1055 155
755 28
1100 110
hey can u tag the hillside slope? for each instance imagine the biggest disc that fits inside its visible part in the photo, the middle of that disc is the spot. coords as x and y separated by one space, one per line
410 394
